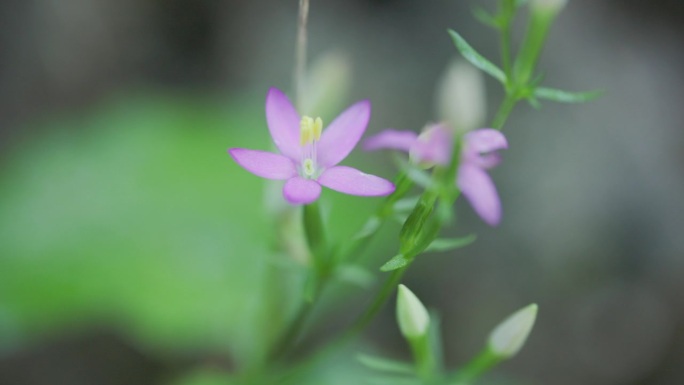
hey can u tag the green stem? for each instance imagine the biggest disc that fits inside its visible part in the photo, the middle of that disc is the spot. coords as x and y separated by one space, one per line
315 234
313 226
507 11
372 310
423 355
355 249
475 368
504 111
292 333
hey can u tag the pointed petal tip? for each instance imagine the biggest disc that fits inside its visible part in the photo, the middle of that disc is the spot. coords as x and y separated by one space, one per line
264 164
343 133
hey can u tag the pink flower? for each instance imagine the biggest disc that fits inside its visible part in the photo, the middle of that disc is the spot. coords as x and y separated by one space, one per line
308 155
434 146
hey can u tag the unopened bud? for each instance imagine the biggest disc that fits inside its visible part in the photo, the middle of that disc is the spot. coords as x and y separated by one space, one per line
461 99
412 316
510 336
550 7
327 84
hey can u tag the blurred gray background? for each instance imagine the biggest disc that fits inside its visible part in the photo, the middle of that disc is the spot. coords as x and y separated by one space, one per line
592 193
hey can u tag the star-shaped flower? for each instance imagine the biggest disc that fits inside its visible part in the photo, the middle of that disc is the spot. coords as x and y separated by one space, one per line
434 145
309 155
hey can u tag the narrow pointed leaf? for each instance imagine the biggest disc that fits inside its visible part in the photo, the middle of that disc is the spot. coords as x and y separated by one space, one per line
565 96
397 262
446 244
475 58
382 364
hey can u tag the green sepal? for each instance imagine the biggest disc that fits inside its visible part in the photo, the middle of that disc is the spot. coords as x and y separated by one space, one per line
475 58
382 364
397 262
446 244
565 96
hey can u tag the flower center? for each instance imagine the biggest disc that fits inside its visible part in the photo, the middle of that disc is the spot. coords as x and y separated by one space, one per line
309 135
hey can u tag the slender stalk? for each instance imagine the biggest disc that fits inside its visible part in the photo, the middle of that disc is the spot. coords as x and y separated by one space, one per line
312 222
300 52
503 112
475 368
372 310
423 355
507 10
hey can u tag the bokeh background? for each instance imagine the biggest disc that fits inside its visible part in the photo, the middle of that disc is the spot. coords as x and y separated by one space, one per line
134 251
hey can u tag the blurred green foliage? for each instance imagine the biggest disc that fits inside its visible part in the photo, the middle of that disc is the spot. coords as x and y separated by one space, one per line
134 216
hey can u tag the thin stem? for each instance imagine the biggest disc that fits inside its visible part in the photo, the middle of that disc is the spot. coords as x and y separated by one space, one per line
312 221
300 52
507 10
504 110
291 334
475 368
423 355
387 289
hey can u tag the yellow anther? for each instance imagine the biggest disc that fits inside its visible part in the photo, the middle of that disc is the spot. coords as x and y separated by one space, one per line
317 128
310 130
306 133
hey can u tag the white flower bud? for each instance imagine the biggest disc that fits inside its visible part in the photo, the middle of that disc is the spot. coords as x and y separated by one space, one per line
412 316
327 84
461 99
510 336
551 7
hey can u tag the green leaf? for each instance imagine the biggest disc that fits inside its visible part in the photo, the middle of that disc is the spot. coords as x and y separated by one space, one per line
397 262
446 244
565 96
486 18
520 3
382 364
475 58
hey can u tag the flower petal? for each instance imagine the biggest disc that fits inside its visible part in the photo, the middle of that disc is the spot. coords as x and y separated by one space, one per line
433 146
391 139
354 182
300 191
340 137
477 186
483 141
283 123
264 164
